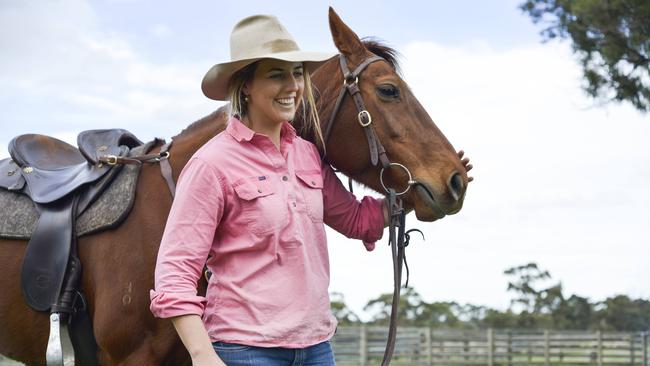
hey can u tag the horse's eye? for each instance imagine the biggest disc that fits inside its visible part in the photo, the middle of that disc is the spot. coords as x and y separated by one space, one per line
388 91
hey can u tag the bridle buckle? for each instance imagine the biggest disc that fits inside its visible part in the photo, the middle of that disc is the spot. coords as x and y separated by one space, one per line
364 114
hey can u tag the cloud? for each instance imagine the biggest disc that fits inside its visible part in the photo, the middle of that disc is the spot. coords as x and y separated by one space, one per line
84 76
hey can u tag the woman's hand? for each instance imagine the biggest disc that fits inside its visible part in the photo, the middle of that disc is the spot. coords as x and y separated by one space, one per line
466 164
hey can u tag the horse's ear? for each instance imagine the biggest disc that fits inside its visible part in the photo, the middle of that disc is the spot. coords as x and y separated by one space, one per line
347 42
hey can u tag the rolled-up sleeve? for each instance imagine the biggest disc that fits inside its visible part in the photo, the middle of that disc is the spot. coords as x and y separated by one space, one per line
344 213
188 237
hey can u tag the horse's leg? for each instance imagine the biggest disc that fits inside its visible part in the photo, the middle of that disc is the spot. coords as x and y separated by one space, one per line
23 331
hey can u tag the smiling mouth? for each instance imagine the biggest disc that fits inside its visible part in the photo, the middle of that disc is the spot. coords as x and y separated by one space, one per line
286 102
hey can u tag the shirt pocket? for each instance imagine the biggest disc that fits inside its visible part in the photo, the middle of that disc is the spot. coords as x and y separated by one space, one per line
262 207
311 182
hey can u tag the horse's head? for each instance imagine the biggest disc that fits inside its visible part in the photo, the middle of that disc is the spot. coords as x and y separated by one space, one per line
401 124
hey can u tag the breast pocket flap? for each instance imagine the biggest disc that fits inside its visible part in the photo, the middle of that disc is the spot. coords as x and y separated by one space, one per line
312 179
251 189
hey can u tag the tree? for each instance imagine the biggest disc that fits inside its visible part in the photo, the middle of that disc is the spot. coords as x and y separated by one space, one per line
410 307
612 40
623 314
530 299
341 311
438 314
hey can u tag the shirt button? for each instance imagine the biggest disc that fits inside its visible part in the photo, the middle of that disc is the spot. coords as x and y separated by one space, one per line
294 204
313 183
259 191
285 178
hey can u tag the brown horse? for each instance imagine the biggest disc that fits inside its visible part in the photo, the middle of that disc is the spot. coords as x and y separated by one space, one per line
118 263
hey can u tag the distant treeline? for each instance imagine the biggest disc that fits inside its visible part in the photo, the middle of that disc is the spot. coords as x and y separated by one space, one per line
531 308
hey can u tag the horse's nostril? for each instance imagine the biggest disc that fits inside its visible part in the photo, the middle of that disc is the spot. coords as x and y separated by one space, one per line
456 185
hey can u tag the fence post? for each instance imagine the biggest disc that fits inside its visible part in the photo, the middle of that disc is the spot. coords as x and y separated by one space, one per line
429 346
632 344
490 350
509 348
645 348
363 345
599 335
547 346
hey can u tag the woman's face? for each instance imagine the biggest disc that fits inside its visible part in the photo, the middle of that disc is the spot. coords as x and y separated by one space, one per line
275 91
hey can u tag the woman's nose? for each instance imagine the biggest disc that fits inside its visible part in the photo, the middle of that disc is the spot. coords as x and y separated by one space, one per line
292 83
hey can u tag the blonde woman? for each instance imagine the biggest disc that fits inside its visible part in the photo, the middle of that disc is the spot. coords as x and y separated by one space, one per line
253 202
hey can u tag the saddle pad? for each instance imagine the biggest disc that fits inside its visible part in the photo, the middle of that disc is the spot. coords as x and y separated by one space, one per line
18 216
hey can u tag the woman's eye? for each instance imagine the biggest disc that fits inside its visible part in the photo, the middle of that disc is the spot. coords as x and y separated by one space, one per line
297 74
388 91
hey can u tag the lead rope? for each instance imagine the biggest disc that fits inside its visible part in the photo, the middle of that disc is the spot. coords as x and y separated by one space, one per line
397 243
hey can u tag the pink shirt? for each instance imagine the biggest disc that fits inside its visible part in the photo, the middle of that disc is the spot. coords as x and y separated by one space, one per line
257 215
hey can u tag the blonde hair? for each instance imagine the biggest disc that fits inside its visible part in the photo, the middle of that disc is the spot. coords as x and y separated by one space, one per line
310 122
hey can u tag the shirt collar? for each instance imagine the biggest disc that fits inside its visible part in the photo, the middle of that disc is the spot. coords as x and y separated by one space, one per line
238 130
241 132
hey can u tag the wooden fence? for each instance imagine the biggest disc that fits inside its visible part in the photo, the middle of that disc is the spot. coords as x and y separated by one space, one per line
361 346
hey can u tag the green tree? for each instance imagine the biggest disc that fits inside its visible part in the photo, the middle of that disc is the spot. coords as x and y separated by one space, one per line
532 300
411 306
623 314
573 313
438 314
611 38
341 311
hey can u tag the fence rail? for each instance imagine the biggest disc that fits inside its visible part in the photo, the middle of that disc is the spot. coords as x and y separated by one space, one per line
361 346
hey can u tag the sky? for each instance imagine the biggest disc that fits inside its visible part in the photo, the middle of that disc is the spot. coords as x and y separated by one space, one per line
559 179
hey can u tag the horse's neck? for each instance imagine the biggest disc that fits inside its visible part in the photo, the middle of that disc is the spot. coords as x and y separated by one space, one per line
196 135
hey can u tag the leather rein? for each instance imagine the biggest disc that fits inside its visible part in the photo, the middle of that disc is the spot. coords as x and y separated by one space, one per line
398 236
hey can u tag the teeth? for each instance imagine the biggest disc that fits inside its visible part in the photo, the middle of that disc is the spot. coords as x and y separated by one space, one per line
285 101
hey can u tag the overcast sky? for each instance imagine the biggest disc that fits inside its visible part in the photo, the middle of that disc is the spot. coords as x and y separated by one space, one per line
559 180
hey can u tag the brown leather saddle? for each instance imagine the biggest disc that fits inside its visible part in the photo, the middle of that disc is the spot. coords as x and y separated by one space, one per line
62 181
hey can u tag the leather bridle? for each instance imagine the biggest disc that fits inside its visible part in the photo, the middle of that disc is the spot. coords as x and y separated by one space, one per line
397 241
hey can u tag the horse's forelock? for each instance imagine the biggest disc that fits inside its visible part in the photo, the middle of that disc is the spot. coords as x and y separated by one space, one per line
379 48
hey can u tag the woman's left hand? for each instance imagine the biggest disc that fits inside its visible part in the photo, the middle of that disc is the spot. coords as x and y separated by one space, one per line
466 164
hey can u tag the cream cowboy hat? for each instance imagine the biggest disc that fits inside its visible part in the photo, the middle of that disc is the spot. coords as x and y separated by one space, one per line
255 38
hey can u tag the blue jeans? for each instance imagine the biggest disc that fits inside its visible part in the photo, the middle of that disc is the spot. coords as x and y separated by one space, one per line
240 355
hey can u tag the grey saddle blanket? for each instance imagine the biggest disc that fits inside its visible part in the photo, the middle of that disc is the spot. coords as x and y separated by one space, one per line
18 216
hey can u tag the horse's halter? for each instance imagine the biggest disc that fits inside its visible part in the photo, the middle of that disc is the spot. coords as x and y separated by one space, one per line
397 214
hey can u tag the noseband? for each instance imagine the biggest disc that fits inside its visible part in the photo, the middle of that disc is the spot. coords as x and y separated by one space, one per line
397 241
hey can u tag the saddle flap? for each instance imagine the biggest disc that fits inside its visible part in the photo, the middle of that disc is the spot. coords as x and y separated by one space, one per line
96 143
47 254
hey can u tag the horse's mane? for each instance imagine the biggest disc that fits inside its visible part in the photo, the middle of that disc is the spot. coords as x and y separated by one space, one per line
373 45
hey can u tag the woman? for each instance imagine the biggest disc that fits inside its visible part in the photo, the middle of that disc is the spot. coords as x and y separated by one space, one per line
251 204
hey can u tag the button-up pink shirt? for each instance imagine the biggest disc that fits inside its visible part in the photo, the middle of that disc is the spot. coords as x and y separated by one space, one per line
256 215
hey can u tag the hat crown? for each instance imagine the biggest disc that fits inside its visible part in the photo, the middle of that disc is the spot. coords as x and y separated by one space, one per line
258 35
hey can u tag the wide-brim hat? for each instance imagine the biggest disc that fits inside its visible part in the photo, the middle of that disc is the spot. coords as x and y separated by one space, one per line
252 39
